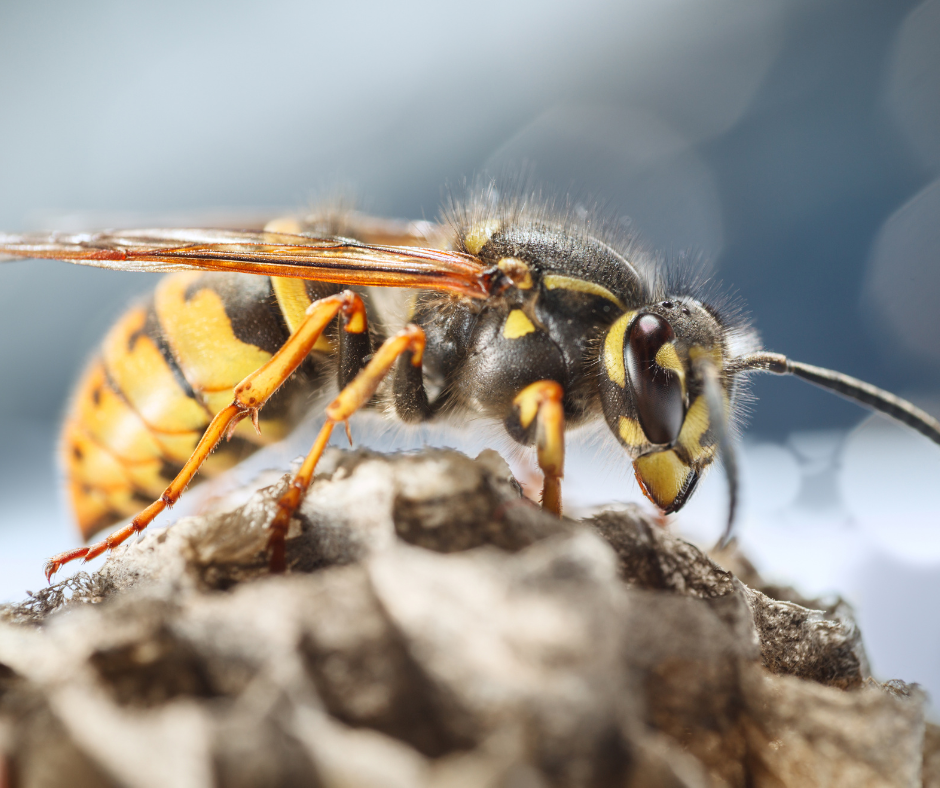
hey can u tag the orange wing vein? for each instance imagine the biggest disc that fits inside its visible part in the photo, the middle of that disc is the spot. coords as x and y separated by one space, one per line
338 260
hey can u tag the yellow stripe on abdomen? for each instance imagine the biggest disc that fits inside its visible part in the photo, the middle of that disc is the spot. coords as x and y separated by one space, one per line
199 331
143 375
164 371
293 300
107 418
110 458
200 334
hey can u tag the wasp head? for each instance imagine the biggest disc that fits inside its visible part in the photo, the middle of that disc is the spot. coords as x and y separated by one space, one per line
665 396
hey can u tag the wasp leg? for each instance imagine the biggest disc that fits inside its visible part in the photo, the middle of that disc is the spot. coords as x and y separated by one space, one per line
249 397
409 395
409 341
540 402
355 346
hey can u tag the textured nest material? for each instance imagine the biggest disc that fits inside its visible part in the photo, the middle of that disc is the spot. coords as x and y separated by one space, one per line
436 630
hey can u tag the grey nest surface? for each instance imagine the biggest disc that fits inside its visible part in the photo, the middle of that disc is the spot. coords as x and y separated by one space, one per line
436 630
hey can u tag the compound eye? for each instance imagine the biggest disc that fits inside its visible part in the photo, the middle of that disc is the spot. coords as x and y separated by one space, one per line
658 389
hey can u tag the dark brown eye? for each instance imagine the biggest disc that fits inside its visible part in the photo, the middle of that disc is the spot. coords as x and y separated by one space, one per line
658 391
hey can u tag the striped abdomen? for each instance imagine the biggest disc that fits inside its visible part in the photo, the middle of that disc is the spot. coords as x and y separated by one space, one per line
163 372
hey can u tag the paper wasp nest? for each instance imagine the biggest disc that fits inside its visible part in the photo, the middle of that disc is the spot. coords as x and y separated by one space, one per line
437 631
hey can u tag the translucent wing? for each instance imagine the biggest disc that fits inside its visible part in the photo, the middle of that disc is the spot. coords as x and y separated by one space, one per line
343 261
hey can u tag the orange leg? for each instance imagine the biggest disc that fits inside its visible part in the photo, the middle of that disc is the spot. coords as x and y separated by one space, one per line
250 396
541 401
349 400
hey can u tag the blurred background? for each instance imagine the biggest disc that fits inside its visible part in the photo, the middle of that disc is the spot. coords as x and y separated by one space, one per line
794 144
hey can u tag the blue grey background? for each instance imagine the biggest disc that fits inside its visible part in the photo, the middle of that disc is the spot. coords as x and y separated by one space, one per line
794 144
770 137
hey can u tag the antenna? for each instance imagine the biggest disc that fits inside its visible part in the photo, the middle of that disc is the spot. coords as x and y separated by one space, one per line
845 386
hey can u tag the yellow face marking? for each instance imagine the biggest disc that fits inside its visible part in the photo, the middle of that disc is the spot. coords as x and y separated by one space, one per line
517 325
613 349
694 427
141 373
559 282
714 354
663 476
517 271
211 357
667 358
698 422
631 433
479 234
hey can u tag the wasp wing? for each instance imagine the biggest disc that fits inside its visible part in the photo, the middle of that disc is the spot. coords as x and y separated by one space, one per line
343 261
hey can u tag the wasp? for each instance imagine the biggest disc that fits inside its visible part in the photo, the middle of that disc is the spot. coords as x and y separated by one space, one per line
538 317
